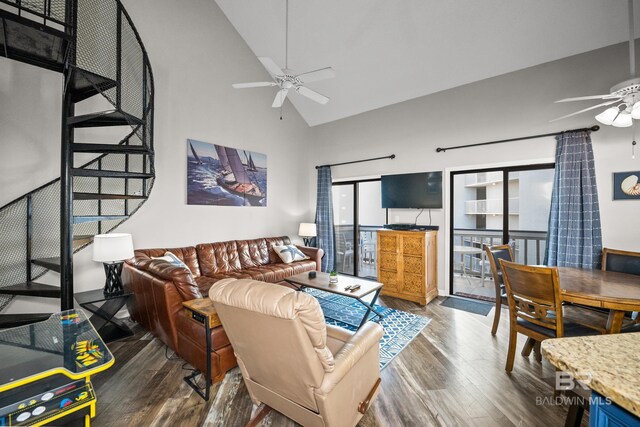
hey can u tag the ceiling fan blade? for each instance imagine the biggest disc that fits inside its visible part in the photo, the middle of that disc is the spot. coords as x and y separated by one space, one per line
271 66
584 98
311 94
585 110
254 84
280 97
316 75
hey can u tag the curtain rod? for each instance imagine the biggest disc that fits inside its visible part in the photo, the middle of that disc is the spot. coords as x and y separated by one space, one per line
393 156
594 128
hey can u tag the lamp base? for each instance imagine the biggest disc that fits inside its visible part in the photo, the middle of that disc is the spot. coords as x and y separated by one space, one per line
113 284
307 241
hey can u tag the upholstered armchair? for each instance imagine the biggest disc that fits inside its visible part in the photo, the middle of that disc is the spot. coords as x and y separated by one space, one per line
291 361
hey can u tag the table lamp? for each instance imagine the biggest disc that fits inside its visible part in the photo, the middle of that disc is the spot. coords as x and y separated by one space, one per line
307 231
111 250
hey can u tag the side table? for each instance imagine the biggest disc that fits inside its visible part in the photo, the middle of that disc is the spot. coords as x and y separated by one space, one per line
104 309
201 311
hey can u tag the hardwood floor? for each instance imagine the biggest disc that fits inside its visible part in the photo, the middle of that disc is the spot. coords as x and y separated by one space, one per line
452 374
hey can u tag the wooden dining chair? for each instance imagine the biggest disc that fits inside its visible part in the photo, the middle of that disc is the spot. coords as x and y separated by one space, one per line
495 253
622 262
535 308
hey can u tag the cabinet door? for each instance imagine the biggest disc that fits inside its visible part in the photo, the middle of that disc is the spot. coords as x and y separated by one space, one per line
388 257
390 281
388 242
413 245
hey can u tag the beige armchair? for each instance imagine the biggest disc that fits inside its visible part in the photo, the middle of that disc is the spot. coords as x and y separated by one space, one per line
291 361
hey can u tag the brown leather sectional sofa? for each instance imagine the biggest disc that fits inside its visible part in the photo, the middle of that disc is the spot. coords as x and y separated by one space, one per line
159 289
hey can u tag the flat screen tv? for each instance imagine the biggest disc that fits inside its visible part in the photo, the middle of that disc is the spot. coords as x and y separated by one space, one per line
412 191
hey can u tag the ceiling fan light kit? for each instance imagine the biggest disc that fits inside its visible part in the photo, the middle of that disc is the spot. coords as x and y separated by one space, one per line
286 80
625 94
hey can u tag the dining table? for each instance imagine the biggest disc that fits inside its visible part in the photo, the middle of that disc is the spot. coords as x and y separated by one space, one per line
613 291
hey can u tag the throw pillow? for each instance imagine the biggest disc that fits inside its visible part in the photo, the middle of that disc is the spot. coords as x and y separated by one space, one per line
289 253
172 258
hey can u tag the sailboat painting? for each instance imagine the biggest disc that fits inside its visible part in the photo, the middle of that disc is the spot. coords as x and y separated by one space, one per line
225 176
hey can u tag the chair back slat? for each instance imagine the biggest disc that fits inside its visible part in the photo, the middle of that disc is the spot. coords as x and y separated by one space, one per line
494 254
536 312
533 294
621 261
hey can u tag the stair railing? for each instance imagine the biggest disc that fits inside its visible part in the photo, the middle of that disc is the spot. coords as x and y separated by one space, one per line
30 224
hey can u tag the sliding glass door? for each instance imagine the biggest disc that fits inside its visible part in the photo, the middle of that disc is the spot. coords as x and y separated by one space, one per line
357 215
492 207
343 221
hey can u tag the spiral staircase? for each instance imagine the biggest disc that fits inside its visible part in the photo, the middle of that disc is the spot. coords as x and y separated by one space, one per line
96 48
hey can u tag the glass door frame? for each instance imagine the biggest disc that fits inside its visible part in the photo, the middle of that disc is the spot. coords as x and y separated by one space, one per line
356 219
505 202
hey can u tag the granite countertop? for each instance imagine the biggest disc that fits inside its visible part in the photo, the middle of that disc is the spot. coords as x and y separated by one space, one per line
610 364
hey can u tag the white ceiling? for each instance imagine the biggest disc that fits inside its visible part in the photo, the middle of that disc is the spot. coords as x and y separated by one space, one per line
389 51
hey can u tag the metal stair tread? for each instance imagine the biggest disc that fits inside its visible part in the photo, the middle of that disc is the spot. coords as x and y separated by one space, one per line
28 41
84 84
98 196
109 148
104 118
52 263
21 319
34 289
80 219
102 173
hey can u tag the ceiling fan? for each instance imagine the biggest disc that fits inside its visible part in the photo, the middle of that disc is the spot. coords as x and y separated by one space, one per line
623 99
287 80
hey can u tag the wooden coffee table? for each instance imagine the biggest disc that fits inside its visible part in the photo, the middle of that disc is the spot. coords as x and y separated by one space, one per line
321 282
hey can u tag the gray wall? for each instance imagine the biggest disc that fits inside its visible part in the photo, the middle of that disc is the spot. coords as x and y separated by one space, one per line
512 105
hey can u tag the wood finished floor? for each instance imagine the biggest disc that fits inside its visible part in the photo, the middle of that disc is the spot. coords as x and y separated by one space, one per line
452 374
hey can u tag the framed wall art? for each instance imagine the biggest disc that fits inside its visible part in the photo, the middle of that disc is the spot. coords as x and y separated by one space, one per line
225 176
626 185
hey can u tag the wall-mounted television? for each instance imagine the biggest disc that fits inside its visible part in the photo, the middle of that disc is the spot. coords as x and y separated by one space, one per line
412 191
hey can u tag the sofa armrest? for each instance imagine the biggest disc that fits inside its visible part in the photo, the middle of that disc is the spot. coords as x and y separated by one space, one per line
180 276
315 254
358 345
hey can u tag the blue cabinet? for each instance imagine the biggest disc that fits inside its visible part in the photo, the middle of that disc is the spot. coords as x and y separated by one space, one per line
603 414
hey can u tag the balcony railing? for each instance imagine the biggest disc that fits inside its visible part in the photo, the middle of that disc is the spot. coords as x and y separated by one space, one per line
482 179
528 247
366 250
491 206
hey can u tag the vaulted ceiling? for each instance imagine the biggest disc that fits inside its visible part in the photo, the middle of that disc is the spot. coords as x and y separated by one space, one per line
389 51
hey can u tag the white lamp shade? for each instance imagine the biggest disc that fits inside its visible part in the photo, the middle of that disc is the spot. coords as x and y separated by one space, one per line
307 229
623 120
112 247
608 115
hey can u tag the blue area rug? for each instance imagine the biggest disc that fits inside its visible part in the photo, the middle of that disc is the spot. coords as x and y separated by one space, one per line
400 327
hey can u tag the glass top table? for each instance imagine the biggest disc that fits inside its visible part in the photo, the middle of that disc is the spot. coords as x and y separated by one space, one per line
66 343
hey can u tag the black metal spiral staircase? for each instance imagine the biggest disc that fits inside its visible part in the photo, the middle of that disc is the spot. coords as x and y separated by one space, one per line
96 47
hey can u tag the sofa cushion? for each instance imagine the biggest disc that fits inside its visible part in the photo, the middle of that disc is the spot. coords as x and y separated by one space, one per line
183 279
252 253
289 253
187 255
172 258
220 257
276 241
